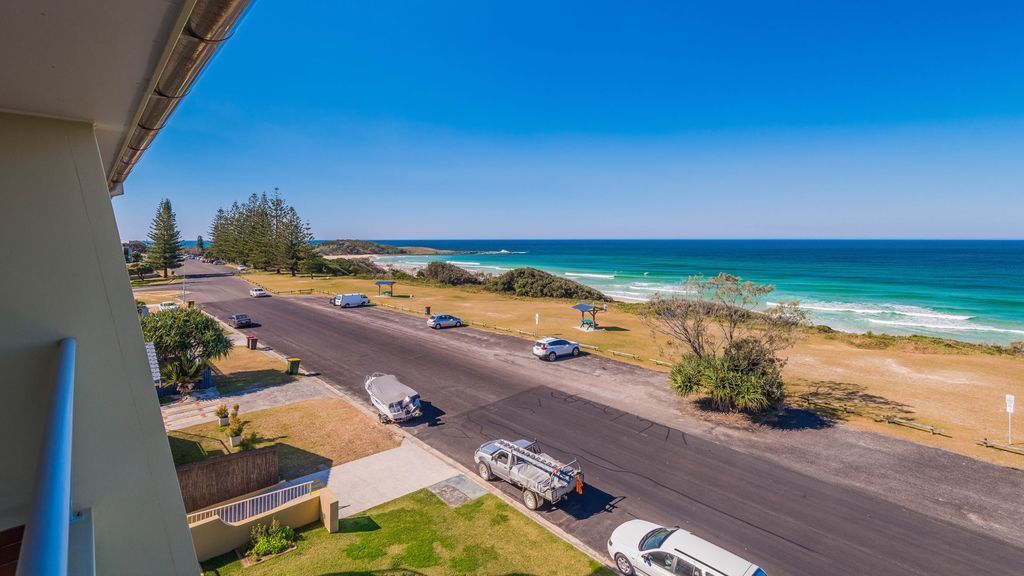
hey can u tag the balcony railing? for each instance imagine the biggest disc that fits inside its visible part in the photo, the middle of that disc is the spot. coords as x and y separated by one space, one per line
44 548
245 509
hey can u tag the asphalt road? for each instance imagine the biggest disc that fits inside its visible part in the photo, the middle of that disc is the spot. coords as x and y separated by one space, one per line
479 386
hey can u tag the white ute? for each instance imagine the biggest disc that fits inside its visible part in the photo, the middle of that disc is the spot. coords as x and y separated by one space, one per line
522 464
647 549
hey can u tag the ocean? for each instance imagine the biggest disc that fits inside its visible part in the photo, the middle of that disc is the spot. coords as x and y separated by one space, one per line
967 290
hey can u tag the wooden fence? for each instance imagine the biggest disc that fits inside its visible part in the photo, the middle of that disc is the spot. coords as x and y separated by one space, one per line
221 478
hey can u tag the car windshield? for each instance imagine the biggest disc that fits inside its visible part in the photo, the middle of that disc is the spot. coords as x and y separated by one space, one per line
655 538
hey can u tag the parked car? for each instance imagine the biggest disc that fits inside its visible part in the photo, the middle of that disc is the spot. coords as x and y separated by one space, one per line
350 300
169 305
258 293
437 321
551 348
521 463
240 320
218 262
647 549
243 268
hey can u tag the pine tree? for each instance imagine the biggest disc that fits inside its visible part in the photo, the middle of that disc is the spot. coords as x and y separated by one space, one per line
200 246
165 250
295 241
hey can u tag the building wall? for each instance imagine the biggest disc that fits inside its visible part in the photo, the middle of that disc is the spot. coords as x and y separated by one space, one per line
64 276
214 537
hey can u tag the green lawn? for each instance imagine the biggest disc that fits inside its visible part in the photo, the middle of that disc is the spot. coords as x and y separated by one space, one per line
419 534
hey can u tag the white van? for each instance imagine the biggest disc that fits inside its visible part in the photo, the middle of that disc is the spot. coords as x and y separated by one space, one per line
350 300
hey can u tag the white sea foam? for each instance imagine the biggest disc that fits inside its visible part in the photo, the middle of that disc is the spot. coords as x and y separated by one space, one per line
872 309
648 287
458 263
624 295
958 327
584 275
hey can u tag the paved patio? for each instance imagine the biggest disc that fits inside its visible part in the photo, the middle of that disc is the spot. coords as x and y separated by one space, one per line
191 412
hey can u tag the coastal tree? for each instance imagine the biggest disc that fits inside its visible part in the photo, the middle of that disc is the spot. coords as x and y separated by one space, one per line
264 232
200 245
185 340
733 340
140 269
164 251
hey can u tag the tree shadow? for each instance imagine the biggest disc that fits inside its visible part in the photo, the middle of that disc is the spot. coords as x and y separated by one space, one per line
843 398
792 418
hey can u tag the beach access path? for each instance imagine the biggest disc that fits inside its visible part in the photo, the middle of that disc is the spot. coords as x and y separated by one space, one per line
803 501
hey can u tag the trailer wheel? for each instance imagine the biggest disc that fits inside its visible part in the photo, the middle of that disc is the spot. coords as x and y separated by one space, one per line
383 419
484 471
622 563
531 500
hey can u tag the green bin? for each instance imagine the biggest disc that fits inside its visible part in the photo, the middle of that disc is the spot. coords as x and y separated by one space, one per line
293 366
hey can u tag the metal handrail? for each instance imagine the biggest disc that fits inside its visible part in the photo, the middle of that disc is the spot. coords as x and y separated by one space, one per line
254 506
44 549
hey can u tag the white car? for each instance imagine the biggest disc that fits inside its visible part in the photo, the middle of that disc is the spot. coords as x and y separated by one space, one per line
647 549
258 293
350 300
551 348
169 305
243 268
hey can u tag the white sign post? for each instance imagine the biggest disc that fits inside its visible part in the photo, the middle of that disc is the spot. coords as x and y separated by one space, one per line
1009 418
536 320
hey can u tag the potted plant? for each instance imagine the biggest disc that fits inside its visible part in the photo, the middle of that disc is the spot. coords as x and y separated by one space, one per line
234 412
235 430
222 414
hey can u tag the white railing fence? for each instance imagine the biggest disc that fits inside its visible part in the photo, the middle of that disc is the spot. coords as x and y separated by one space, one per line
245 509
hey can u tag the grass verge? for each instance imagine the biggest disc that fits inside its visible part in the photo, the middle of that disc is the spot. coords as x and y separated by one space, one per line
419 534
311 435
243 369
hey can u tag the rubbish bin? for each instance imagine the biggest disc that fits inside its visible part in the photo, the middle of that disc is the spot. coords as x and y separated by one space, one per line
293 366
191 303
426 310
251 342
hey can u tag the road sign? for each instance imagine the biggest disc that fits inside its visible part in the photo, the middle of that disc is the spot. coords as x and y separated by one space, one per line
1009 403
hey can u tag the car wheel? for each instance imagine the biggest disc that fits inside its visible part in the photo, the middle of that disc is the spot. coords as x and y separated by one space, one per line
622 563
575 351
437 326
344 305
458 324
552 357
531 500
484 472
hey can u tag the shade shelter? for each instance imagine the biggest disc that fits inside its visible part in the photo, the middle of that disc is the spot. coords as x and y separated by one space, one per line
585 310
390 290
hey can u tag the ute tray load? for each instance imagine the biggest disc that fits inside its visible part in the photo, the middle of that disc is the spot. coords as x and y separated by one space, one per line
521 463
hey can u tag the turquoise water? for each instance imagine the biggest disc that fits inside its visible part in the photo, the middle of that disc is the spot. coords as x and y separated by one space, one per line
968 290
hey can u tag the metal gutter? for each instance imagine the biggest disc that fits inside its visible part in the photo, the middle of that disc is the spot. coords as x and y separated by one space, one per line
208 25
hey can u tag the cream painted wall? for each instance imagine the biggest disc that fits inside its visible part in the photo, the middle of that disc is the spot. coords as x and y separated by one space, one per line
63 275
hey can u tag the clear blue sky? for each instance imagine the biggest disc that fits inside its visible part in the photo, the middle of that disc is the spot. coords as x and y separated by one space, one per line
607 119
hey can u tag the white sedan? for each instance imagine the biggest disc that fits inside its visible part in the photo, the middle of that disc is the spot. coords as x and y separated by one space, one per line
643 548
258 293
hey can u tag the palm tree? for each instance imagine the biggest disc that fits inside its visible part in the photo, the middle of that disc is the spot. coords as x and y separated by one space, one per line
183 374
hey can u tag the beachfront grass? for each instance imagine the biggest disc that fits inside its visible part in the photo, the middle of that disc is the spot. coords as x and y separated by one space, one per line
243 369
958 387
419 534
311 435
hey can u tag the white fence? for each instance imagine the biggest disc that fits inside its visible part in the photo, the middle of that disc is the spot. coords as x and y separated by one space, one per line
244 509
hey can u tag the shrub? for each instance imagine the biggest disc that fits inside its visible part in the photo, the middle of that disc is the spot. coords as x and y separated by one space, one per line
236 427
222 411
741 379
273 539
1017 347
450 274
535 283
